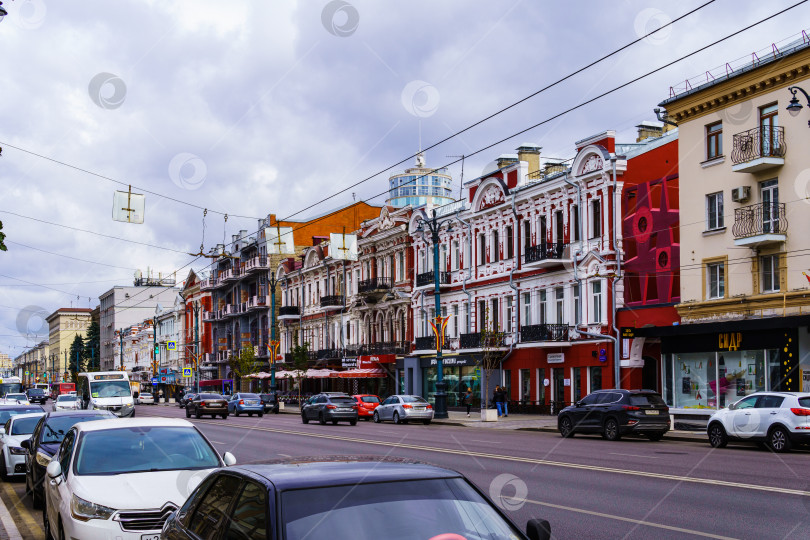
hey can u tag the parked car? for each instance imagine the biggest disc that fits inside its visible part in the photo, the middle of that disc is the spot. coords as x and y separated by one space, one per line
45 441
613 413
243 402
320 499
366 403
14 431
145 398
122 478
16 399
402 408
7 411
36 395
64 402
212 404
778 419
270 402
183 401
330 407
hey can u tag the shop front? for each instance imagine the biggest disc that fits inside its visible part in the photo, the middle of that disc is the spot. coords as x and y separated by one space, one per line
459 372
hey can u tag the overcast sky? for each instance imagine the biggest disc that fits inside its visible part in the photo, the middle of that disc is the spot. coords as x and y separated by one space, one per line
252 108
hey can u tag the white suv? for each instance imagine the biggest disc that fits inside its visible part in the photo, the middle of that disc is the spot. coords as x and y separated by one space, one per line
778 419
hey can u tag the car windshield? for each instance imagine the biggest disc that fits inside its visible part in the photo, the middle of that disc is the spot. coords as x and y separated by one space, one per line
413 399
110 389
5 414
342 401
208 396
640 400
412 509
16 396
10 388
36 391
24 426
370 399
66 398
55 428
143 449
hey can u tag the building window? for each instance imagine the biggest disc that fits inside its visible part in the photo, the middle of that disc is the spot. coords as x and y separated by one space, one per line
596 294
596 378
455 320
714 211
482 249
482 315
716 280
467 252
541 305
510 240
466 317
577 305
496 247
527 309
527 235
714 140
508 314
496 323
770 273
575 222
456 254
596 218
400 266
559 301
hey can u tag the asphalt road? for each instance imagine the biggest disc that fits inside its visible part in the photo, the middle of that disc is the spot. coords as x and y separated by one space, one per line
585 486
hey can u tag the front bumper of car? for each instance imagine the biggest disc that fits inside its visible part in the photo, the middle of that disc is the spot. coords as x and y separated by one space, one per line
15 462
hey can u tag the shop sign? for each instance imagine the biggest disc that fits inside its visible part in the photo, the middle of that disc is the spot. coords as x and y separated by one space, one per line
555 358
628 333
603 355
367 362
349 363
729 341
454 361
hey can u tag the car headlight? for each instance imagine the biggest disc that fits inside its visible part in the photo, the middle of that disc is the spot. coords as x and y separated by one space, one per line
16 450
43 459
127 406
86 510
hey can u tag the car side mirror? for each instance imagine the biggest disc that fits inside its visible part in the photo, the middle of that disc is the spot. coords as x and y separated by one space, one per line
229 459
2 431
732 407
538 529
54 469
578 404
26 443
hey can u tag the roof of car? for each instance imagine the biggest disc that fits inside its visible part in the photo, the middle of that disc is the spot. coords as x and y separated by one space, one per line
15 406
320 471
78 413
28 415
113 423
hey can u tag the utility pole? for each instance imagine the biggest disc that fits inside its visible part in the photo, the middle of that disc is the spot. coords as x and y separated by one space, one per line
273 345
156 357
196 346
121 347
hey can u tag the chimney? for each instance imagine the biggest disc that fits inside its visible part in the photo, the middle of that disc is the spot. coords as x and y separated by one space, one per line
553 167
506 159
647 130
530 153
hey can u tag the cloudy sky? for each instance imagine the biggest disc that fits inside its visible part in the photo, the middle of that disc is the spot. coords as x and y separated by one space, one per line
250 108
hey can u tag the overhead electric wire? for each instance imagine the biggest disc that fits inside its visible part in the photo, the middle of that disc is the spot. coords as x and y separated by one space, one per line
68 256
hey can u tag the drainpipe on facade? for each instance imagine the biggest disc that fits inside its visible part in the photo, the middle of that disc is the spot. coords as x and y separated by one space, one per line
469 269
515 235
617 277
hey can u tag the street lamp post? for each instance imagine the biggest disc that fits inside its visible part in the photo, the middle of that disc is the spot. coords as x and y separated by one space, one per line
272 283
434 226
794 107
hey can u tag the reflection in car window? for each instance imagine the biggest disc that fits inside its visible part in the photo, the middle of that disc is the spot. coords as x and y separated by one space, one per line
646 399
210 515
413 399
770 402
249 520
590 399
55 428
24 426
747 403
370 399
804 401
65 451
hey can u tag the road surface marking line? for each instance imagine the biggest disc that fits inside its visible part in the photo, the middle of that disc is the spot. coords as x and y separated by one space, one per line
217 442
25 515
285 455
629 472
633 455
626 519
8 522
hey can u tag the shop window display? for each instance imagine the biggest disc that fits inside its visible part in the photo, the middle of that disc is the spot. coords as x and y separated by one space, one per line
715 380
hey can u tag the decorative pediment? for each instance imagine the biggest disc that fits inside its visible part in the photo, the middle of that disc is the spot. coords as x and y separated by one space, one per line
590 164
489 194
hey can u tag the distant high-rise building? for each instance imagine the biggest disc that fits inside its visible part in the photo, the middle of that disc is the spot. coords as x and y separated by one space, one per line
420 185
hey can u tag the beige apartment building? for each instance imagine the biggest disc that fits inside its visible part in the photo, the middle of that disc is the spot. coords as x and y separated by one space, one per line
64 325
744 172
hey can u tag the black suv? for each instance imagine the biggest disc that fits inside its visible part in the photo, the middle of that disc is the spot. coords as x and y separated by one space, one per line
36 395
614 413
330 406
270 402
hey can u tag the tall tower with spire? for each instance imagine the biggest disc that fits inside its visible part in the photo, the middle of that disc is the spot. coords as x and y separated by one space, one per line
420 185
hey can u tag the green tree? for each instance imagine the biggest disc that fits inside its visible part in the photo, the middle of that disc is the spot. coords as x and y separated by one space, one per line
92 347
2 238
243 364
300 362
491 356
76 349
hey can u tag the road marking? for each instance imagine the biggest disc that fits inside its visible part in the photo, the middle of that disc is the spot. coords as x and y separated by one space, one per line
546 462
285 455
480 440
632 455
8 523
25 515
625 519
217 442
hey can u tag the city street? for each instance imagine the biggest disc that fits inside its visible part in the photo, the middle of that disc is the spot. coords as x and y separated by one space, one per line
585 486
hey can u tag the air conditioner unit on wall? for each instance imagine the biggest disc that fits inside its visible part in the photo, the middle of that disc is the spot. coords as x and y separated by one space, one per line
741 194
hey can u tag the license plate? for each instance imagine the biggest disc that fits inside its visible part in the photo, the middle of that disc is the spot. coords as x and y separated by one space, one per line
150 537
252 402
652 411
343 410
419 408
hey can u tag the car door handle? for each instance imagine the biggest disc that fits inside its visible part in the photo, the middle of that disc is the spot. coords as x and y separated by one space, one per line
774 412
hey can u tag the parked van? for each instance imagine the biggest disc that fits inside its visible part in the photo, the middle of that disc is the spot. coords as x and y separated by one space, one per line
106 390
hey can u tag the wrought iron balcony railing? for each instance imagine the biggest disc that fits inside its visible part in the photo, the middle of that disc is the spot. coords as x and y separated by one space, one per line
758 143
374 284
387 347
325 354
544 332
544 251
481 340
428 343
331 301
429 278
289 310
759 219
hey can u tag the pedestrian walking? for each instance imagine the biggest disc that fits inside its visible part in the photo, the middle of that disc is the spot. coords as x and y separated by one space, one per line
467 400
505 400
497 397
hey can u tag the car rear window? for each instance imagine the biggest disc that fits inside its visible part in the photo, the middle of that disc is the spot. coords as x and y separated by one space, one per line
413 399
640 400
804 401
24 426
249 396
370 399
209 396
343 400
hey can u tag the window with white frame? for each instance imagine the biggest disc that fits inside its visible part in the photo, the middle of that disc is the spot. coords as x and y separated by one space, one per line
714 211
482 315
466 326
559 302
715 280
769 265
455 255
455 320
575 223
401 266
510 242
507 317
527 309
542 314
596 298
577 304
482 249
596 218
494 315
496 247
423 262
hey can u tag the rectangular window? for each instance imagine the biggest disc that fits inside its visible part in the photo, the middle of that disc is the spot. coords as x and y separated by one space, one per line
482 315
527 235
494 315
456 255
714 140
559 301
508 314
575 222
541 305
577 305
455 320
769 266
714 211
467 252
716 280
496 247
466 318
527 309
510 240
596 292
401 266
596 378
482 249
596 218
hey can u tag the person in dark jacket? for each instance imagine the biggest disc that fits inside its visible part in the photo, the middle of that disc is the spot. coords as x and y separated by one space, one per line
498 399
467 400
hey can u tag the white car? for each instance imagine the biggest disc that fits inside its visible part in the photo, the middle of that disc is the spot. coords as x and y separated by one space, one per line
122 478
16 399
145 398
778 419
64 402
16 429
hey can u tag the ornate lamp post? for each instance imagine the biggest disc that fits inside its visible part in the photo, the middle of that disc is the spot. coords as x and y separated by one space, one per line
273 343
794 107
434 226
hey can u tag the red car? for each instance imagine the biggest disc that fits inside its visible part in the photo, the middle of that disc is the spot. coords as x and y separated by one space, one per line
366 403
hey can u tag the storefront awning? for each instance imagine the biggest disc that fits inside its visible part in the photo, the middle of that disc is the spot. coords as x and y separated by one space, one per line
363 373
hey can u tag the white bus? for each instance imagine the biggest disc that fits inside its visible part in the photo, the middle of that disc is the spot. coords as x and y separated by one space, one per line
106 390
10 385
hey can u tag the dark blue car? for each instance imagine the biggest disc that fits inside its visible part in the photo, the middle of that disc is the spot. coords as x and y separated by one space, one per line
244 403
342 497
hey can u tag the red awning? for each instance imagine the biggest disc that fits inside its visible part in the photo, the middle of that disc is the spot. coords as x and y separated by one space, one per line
363 373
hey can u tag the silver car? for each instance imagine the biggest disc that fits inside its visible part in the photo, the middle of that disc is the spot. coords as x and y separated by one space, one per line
403 408
64 402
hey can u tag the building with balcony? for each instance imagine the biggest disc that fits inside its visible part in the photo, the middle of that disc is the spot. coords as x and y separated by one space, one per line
744 296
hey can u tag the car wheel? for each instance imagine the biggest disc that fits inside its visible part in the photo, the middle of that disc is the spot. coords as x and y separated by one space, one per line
611 430
304 418
334 422
197 414
236 413
321 419
566 427
225 416
779 440
376 418
188 413
261 414
717 436
396 418
655 436
426 422
353 422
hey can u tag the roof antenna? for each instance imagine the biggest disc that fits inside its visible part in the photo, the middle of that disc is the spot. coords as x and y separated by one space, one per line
461 187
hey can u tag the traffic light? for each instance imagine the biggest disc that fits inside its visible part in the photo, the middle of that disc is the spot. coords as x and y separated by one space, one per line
2 237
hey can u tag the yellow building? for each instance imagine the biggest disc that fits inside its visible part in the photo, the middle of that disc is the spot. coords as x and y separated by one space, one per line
64 324
30 365
5 364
